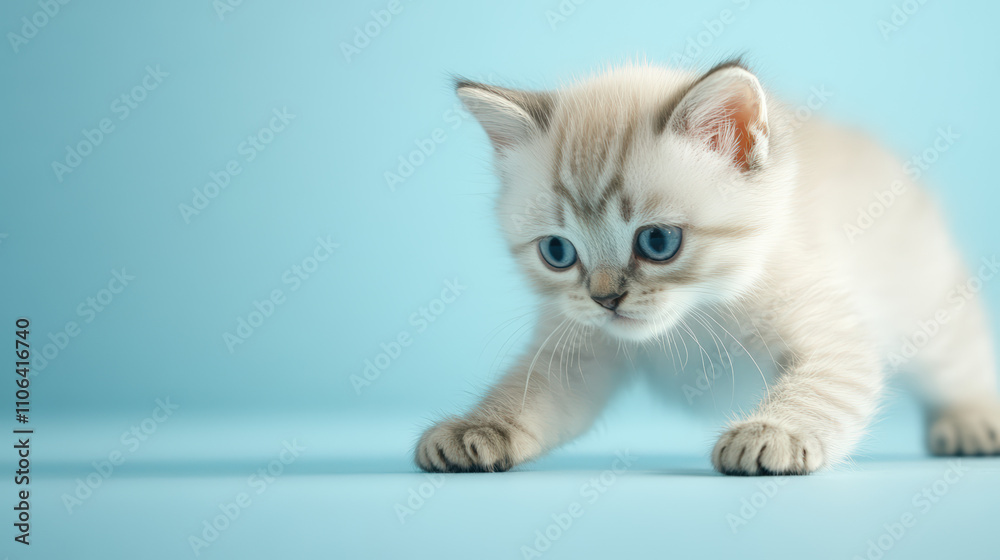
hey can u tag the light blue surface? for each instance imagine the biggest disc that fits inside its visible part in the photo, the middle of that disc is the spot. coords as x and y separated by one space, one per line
211 82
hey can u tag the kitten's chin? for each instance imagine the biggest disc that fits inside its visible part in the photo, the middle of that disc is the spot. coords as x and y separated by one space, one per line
632 328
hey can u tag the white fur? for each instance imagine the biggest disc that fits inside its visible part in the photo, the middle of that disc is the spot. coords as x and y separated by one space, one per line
838 306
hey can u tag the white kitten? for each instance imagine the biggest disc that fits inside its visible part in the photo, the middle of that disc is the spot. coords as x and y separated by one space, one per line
647 203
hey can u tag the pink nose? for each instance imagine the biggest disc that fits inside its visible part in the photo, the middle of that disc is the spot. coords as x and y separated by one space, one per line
609 301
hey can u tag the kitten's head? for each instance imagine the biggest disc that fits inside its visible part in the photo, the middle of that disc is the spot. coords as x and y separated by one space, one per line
640 196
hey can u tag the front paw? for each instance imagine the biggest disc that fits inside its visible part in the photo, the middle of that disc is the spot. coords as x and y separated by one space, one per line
766 448
966 430
459 445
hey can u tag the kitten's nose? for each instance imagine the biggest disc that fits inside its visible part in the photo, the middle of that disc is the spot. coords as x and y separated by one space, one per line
610 301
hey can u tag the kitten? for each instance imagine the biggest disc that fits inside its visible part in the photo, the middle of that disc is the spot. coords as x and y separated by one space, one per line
647 203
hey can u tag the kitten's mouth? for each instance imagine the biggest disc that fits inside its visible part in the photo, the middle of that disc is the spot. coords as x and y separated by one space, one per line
625 320
629 327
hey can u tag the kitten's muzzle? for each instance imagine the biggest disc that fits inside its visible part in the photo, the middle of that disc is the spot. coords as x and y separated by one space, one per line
609 301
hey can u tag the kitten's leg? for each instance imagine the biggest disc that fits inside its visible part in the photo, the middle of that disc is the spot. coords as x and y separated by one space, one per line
958 377
827 390
522 416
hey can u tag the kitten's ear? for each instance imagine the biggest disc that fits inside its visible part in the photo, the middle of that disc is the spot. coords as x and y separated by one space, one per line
509 116
726 110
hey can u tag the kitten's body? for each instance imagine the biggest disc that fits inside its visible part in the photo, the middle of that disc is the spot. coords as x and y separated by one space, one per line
762 201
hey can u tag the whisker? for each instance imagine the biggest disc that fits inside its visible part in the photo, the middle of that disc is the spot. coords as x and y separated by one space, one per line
767 389
531 367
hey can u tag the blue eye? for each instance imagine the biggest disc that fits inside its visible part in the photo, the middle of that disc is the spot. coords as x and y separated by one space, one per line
557 251
658 243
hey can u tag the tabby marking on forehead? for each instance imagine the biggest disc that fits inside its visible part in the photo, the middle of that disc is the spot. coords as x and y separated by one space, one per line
627 207
587 162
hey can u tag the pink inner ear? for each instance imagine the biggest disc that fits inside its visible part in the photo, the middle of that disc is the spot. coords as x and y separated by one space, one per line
731 131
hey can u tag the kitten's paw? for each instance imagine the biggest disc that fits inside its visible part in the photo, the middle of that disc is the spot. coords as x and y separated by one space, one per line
459 445
765 448
966 430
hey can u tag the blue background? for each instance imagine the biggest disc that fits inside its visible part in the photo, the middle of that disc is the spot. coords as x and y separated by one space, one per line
324 176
